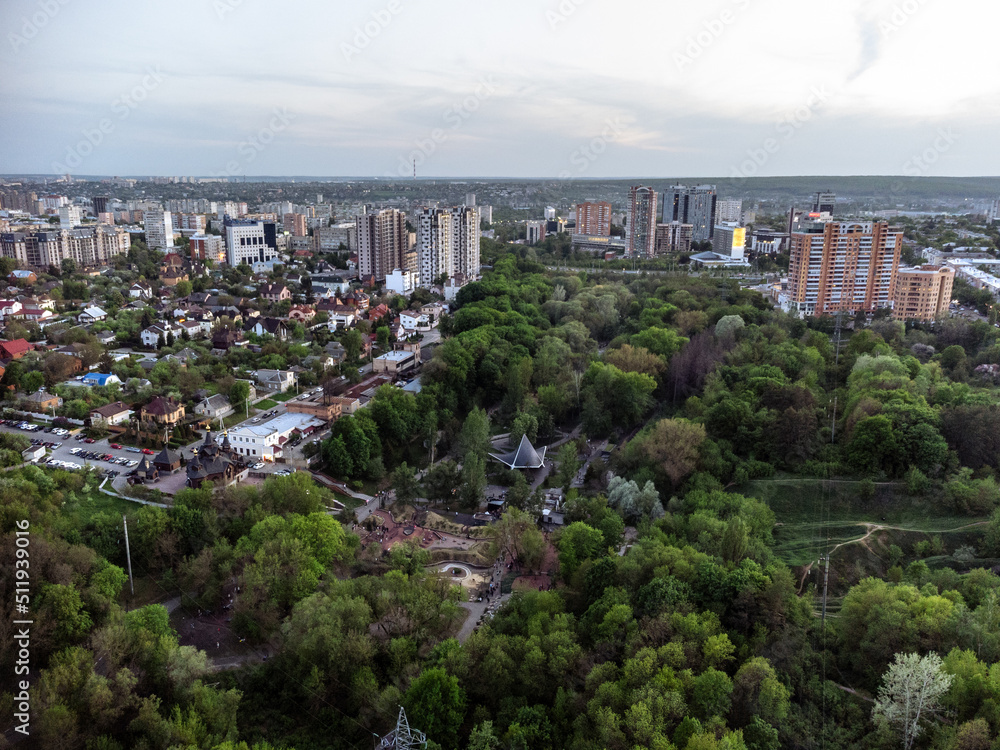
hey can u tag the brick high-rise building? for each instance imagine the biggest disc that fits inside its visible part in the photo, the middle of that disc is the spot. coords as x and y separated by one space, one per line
673 238
383 243
641 230
295 224
843 266
922 293
593 218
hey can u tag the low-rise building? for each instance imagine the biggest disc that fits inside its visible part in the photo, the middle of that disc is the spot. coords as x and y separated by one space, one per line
395 362
163 410
268 440
274 381
214 407
91 315
100 379
42 401
140 290
111 414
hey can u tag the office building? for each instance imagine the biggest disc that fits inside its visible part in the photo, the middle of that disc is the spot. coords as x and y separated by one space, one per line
550 213
159 227
729 240
673 238
641 230
695 206
447 243
250 241
843 266
69 217
824 203
100 203
382 243
922 293
728 211
593 218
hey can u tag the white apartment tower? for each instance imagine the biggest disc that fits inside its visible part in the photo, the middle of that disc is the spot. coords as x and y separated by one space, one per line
69 216
159 227
447 243
250 241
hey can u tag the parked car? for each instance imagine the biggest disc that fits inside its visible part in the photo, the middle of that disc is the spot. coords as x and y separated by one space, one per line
115 446
132 449
147 451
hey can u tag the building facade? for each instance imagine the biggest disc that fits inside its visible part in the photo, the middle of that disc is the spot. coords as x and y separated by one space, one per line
641 230
843 266
922 293
447 243
250 241
692 205
159 226
89 247
673 238
383 243
593 218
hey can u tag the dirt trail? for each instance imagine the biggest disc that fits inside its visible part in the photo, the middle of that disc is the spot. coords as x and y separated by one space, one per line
874 528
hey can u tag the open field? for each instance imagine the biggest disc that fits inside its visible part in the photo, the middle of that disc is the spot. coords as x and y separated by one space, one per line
816 515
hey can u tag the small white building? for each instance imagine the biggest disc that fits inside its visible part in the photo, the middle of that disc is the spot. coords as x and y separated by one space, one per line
267 441
401 282
34 453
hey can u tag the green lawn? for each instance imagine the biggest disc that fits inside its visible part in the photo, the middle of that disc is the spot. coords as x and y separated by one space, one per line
813 515
265 405
282 396
87 504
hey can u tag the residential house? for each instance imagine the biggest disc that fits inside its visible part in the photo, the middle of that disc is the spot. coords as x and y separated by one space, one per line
111 415
173 276
100 379
214 407
274 381
225 338
150 337
275 292
106 337
140 290
42 401
162 410
8 307
357 299
91 315
22 277
301 314
193 328
336 352
14 349
38 315
341 316
267 326
378 312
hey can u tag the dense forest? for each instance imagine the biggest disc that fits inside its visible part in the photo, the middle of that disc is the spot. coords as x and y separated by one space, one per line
791 520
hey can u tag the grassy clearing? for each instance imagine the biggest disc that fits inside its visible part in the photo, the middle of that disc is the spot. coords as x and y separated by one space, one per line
281 397
265 405
814 515
82 506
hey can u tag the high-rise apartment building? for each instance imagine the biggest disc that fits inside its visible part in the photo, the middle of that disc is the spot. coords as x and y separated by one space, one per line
69 217
843 266
447 243
159 227
295 225
100 203
824 203
729 240
208 247
88 247
673 238
250 241
922 293
641 231
695 206
535 231
382 242
593 218
728 211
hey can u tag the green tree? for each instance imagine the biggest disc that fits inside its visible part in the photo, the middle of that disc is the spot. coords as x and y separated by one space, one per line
239 392
569 464
32 381
404 482
436 703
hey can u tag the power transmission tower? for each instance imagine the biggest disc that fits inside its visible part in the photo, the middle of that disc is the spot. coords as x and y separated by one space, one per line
402 737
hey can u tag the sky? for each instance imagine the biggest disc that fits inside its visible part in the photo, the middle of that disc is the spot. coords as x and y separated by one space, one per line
572 89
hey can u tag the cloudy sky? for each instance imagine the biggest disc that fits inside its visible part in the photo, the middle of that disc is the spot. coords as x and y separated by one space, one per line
518 88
